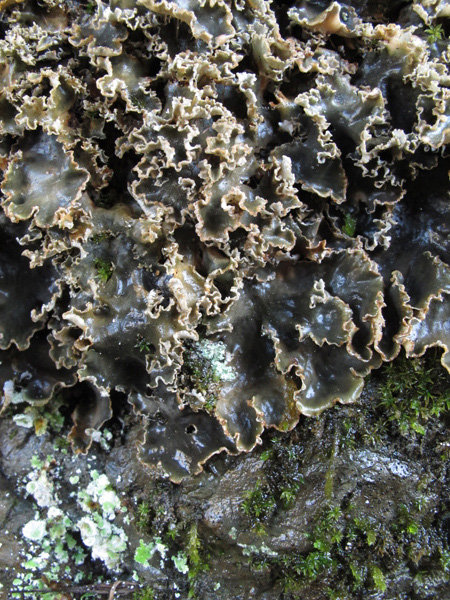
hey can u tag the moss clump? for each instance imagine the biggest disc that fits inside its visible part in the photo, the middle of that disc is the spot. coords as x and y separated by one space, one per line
349 227
150 515
143 516
282 483
176 540
104 269
195 552
90 7
97 238
145 594
355 554
378 579
259 505
143 346
412 391
409 397
282 466
294 570
435 33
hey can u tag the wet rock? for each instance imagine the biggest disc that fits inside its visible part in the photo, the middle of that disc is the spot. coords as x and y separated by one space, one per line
223 513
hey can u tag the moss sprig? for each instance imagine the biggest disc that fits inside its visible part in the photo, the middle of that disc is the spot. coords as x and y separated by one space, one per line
104 269
413 391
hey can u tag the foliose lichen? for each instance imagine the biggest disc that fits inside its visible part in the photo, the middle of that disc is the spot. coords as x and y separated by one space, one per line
57 540
267 180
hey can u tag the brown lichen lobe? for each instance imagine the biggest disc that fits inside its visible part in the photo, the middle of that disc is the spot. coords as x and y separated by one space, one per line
220 175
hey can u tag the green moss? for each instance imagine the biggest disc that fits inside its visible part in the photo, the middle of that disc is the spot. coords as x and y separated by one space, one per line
409 397
104 269
378 578
143 346
359 573
143 516
349 227
176 540
435 33
294 569
365 526
445 559
414 390
145 594
195 552
312 565
61 443
337 594
259 505
328 530
282 468
97 238
289 493
348 434
354 551
406 520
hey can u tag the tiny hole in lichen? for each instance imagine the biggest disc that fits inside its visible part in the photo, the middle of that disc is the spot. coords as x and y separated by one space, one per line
344 15
191 429
160 418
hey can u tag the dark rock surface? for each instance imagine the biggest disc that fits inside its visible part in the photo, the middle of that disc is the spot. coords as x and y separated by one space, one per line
345 506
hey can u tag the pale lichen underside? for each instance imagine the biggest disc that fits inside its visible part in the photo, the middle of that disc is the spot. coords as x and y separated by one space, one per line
262 189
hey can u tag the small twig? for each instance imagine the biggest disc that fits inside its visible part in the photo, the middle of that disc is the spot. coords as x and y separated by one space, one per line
112 591
101 589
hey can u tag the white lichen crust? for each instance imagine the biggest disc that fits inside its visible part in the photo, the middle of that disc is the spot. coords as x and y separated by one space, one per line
51 532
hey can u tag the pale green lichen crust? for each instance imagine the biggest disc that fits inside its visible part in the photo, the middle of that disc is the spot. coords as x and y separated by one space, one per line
57 541
231 212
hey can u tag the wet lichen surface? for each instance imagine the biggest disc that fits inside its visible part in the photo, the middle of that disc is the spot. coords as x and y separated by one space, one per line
219 219
261 190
